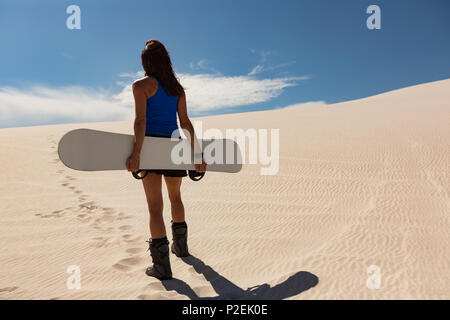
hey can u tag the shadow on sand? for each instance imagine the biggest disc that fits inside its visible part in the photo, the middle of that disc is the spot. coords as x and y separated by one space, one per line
226 290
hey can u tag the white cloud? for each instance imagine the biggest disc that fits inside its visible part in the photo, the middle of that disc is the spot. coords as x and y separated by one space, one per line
207 92
37 105
43 105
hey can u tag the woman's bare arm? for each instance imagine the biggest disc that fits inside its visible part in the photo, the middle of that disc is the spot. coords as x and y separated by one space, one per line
140 120
186 123
139 125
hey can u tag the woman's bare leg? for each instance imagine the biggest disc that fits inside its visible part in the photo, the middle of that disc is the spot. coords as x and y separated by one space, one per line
152 186
176 205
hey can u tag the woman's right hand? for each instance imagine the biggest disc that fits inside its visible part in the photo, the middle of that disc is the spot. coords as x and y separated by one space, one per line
133 162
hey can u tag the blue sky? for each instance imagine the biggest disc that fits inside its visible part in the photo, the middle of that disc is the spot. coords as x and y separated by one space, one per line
233 55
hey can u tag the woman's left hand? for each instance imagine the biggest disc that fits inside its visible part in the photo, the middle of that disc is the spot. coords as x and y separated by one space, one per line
201 167
133 162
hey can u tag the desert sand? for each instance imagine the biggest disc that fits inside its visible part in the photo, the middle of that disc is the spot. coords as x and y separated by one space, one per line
361 183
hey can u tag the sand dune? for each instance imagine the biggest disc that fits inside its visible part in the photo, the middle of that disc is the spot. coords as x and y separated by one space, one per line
360 183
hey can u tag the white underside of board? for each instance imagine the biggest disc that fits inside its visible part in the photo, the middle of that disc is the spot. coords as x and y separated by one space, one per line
93 150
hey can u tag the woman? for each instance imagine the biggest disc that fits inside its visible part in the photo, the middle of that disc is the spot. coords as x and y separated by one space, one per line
158 98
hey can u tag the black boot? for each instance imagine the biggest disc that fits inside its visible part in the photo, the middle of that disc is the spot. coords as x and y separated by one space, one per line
179 243
161 263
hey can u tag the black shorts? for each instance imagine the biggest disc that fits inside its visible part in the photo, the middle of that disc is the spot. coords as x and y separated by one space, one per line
170 173
167 173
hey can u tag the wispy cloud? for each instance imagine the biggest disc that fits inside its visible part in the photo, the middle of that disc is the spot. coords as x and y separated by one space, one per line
260 68
203 65
262 65
262 54
257 69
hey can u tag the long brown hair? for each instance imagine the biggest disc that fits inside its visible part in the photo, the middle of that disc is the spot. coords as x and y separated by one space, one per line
156 62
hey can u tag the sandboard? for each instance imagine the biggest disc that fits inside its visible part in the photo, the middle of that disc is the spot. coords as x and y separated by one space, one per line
94 150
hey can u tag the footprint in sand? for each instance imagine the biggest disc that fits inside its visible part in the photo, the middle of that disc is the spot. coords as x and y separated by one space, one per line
135 250
159 290
129 238
102 217
84 218
74 189
54 214
88 206
8 289
100 242
121 267
123 216
128 264
125 227
109 210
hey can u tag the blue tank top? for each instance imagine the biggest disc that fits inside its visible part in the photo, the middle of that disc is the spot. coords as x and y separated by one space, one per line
161 113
